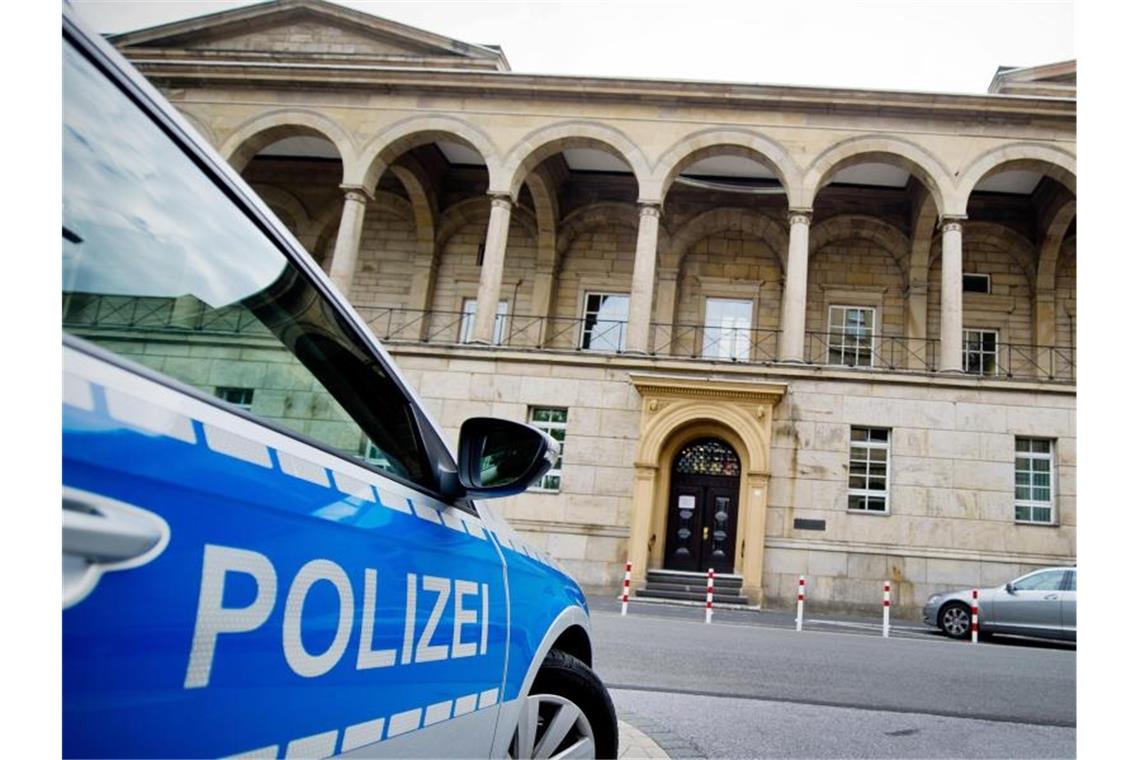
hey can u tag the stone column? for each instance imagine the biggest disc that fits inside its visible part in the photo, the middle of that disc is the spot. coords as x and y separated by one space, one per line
644 279
755 511
1045 331
347 248
641 519
950 335
491 277
793 312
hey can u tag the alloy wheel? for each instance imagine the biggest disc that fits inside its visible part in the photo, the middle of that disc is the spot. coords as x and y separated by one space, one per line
955 621
551 726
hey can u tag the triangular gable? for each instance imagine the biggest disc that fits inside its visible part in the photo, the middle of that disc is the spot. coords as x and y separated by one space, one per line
307 30
1051 79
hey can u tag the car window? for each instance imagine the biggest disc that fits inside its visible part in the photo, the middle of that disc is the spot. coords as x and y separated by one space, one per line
1046 580
1072 580
161 266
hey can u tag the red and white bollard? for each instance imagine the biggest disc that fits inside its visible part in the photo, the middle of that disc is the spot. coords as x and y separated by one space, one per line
708 597
625 589
974 617
886 609
800 605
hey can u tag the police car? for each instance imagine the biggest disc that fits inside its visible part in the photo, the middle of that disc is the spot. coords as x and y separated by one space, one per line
268 548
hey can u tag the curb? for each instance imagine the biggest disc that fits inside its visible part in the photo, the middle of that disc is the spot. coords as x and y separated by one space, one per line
655 740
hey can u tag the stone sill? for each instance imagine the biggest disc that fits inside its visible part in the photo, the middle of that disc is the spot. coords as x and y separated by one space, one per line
775 371
920 552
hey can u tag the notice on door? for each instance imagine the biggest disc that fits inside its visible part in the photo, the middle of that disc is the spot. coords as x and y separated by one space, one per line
686 502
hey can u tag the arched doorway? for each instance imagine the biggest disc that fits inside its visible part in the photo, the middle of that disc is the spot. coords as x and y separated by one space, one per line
703 507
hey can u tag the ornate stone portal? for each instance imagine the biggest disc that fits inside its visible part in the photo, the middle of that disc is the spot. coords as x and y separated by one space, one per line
676 411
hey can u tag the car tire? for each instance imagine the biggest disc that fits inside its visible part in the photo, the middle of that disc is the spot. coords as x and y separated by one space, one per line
568 713
954 620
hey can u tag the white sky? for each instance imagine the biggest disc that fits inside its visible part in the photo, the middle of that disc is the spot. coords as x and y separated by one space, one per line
926 46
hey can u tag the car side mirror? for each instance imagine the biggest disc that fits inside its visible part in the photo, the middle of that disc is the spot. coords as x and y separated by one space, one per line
501 458
1009 588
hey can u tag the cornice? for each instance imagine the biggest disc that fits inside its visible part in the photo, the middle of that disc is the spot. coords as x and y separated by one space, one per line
180 72
673 386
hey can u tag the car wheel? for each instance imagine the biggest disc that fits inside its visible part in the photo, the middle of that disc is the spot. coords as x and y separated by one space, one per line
568 713
954 620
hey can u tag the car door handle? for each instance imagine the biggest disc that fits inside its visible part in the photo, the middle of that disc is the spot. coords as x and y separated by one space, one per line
103 530
1051 597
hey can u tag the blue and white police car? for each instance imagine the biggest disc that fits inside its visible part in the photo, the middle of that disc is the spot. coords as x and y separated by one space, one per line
268 548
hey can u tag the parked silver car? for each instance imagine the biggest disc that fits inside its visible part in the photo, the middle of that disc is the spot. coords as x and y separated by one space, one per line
1042 603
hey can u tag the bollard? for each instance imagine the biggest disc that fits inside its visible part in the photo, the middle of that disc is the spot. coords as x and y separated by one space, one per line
625 589
974 617
800 606
708 597
886 609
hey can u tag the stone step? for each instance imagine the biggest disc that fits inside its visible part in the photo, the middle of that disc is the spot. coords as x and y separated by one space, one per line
690 596
673 577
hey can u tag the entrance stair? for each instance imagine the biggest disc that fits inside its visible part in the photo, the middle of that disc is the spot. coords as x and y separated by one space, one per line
691 587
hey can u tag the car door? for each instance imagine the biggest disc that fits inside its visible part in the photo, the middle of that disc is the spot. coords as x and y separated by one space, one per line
1031 604
238 579
1069 606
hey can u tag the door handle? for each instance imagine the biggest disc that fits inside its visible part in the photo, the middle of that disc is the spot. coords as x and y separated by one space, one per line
1051 597
706 533
99 529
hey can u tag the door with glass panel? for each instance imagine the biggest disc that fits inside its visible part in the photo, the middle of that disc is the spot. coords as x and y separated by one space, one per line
604 319
703 499
850 336
467 322
727 329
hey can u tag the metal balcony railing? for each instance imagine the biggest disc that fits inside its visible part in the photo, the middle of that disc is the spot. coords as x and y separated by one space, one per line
854 351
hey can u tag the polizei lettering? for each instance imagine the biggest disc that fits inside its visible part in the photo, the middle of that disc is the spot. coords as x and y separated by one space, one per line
422 641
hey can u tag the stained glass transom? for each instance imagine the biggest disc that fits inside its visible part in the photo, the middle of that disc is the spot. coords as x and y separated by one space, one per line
707 457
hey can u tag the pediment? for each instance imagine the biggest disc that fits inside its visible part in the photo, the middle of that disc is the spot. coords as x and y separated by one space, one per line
307 30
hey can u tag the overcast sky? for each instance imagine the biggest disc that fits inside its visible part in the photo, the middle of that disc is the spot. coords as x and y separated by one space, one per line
913 45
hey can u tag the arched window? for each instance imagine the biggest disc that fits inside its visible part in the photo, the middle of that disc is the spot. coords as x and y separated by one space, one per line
707 456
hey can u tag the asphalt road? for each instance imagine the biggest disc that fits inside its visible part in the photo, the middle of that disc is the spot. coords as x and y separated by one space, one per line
746 687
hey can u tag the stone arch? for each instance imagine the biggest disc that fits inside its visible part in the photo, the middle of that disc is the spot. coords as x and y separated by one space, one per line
263 130
1019 246
716 220
413 132
715 141
681 423
1057 225
293 213
542 143
322 230
595 215
848 226
1054 162
896 151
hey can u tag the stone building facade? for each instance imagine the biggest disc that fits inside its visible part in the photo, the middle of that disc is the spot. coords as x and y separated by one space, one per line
781 330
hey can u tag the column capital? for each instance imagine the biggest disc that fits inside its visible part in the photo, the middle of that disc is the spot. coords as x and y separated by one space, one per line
649 208
358 193
951 222
501 200
799 216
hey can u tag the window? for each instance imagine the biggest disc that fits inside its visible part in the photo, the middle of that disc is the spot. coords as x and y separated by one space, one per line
1033 481
850 335
603 323
975 283
467 323
869 469
1044 580
979 351
242 397
162 267
550 420
728 325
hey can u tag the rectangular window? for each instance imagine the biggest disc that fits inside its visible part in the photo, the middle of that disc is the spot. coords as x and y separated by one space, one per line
242 397
850 335
975 283
551 420
467 322
869 470
727 329
604 320
1033 481
980 351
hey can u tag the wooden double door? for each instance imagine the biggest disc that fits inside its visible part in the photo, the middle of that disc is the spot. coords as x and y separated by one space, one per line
703 499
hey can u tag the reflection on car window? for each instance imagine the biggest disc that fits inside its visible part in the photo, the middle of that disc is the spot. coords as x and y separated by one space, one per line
1049 580
161 266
